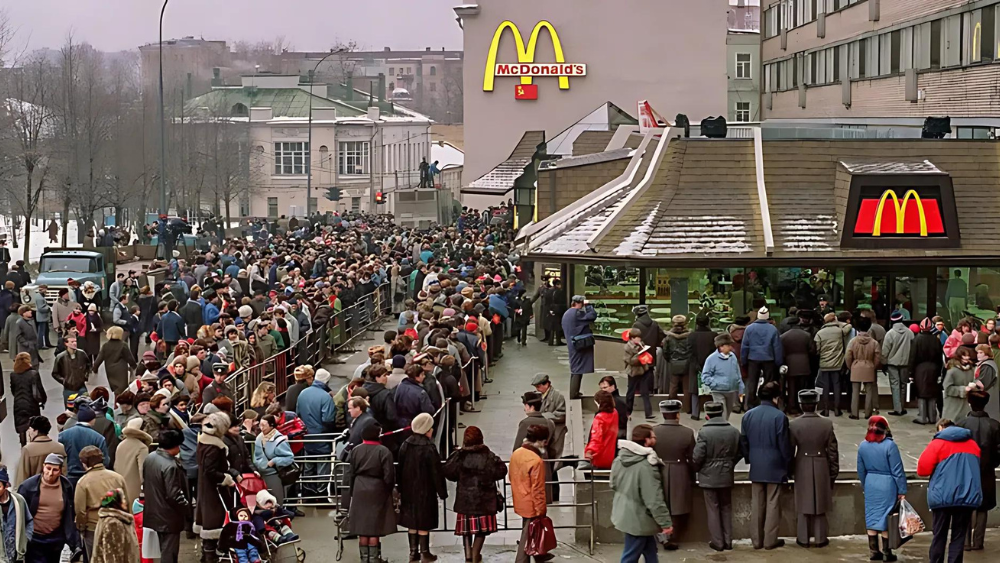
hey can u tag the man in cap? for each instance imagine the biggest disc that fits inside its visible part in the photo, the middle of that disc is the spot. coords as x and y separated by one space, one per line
831 346
49 497
765 445
817 465
532 401
675 446
761 354
824 306
554 409
218 385
91 490
716 453
79 437
579 340
721 373
15 519
40 445
652 334
896 358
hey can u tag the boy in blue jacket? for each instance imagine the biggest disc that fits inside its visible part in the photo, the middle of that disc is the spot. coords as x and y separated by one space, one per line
721 373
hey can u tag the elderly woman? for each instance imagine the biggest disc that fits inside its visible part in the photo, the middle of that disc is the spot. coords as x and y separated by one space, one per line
272 452
880 470
419 461
370 484
118 360
115 540
213 480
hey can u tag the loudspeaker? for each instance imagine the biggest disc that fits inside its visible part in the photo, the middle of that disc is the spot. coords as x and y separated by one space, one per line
936 128
714 127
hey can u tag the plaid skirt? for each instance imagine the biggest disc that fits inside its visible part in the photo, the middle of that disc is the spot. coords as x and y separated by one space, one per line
472 525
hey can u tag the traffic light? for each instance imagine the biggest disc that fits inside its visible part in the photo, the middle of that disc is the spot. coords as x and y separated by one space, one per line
333 194
379 198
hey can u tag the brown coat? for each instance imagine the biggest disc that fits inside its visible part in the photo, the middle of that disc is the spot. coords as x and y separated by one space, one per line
33 457
114 539
527 482
863 358
817 462
90 491
633 368
675 447
131 454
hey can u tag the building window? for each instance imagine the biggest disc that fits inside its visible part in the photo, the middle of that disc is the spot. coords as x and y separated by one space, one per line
272 208
355 204
743 66
392 71
433 86
742 112
291 158
353 158
434 71
239 110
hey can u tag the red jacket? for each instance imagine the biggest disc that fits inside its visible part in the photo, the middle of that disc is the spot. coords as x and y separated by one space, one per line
603 438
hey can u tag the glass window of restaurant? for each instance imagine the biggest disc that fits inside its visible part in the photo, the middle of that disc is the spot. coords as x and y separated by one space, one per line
613 290
967 292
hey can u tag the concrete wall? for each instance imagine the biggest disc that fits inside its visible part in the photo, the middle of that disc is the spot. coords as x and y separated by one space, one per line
630 55
742 89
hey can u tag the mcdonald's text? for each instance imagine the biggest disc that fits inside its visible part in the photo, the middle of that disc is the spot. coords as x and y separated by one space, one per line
562 69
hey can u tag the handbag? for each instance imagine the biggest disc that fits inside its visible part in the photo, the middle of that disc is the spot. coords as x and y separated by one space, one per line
583 342
289 474
541 537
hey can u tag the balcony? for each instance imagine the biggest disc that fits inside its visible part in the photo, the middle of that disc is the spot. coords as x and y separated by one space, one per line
744 19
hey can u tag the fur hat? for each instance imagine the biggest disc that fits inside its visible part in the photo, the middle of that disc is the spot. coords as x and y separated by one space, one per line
216 424
679 320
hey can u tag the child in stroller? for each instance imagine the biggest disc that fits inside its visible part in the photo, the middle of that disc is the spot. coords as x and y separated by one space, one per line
240 536
273 520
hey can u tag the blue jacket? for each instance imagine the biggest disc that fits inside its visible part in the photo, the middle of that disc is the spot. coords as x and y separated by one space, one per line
31 491
952 462
315 407
189 450
276 449
765 444
211 313
171 327
761 343
411 400
233 270
74 439
721 374
880 470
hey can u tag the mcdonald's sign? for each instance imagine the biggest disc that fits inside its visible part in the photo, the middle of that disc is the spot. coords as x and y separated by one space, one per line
900 211
526 68
910 216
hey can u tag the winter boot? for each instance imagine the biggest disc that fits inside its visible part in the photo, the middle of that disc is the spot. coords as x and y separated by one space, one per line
873 552
375 554
365 554
208 554
414 548
886 552
425 550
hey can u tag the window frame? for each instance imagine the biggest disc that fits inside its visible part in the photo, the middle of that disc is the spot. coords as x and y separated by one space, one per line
744 69
291 158
353 153
748 110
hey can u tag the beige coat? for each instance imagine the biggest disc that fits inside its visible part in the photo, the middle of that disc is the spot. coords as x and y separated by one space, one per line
33 457
90 491
863 358
129 457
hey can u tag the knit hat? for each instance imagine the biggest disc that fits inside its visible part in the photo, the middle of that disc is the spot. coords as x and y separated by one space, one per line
896 316
264 497
398 362
4 477
192 362
85 414
422 423
322 375
56 459
468 291
246 311
926 325
763 314
449 312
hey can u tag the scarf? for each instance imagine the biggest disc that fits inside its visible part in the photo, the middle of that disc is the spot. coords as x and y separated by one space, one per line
240 524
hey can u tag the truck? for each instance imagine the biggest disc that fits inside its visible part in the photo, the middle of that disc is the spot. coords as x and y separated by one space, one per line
58 265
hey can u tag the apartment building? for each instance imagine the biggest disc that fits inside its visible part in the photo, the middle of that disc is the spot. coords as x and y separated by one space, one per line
882 65
743 56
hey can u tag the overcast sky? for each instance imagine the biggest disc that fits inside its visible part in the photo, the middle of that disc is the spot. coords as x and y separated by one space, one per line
113 25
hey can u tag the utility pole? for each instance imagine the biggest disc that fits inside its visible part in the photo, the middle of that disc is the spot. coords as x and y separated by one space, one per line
164 235
309 175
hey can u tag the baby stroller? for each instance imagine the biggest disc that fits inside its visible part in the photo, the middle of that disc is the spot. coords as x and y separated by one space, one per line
285 552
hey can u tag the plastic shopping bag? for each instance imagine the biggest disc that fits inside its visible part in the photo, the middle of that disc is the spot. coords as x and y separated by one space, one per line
910 522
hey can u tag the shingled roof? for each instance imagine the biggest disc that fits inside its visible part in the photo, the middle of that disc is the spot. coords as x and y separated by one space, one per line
500 180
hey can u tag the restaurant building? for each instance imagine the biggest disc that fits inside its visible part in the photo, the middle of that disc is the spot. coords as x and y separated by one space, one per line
721 227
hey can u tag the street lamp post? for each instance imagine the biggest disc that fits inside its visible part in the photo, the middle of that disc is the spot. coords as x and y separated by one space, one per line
312 80
163 133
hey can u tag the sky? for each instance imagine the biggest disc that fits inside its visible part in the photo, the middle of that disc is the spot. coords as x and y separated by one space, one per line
114 25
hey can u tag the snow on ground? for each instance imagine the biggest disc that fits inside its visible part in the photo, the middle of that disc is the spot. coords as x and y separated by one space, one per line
39 240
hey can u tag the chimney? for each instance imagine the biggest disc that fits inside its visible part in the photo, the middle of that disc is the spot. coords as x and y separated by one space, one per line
428 49
381 87
387 49
350 88
373 113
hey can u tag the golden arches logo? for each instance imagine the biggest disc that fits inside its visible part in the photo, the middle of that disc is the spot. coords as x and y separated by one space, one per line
900 209
525 54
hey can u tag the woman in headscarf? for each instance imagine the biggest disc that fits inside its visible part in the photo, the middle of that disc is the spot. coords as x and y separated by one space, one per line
114 539
880 470
960 374
986 373
92 340
927 363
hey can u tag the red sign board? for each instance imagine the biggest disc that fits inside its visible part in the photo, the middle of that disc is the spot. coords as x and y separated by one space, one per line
891 215
526 92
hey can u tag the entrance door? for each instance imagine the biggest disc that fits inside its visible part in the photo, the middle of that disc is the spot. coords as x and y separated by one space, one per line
910 291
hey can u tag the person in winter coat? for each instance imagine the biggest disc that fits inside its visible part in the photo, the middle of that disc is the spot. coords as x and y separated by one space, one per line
716 453
986 374
476 470
419 461
721 373
830 345
954 339
381 403
40 445
43 317
896 357
702 342
652 334
880 471
167 504
71 368
674 447
765 445
609 384
28 393
527 482
57 529
130 456
951 461
370 483
761 353
986 433
90 490
315 407
119 361
360 416
115 540
817 464
639 510
926 359
959 375
639 371
677 355
863 359
576 326
78 438
800 349
26 335
92 340
271 452
214 480
410 397
600 449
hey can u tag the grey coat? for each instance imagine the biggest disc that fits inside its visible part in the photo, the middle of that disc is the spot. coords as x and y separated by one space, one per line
531 419
27 339
576 322
43 311
10 329
817 462
716 453
371 481
675 448
554 409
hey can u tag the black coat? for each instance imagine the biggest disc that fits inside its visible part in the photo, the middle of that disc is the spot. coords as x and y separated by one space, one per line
28 393
799 348
382 405
986 433
213 480
702 342
476 470
239 458
191 312
370 484
147 313
165 488
926 360
424 483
